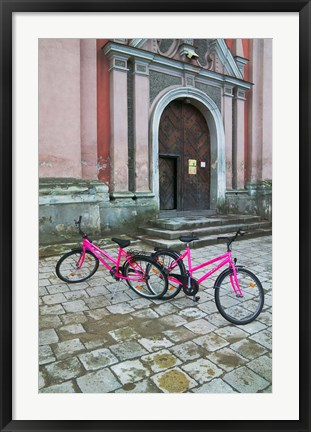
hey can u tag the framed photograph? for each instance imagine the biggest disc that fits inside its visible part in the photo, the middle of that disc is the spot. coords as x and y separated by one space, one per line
68 67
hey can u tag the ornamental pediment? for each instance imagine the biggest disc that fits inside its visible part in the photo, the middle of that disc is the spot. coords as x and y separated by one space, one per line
209 54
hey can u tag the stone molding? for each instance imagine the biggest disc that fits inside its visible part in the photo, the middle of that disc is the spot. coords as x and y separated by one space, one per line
241 62
137 43
239 94
219 46
112 49
69 191
214 120
118 62
228 91
141 68
121 195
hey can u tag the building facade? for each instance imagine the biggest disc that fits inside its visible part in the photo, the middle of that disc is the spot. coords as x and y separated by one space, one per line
129 128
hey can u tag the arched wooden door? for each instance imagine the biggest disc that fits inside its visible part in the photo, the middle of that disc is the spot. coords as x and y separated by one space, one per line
184 158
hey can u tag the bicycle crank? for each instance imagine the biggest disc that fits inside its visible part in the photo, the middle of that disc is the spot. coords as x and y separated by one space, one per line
193 289
113 273
188 290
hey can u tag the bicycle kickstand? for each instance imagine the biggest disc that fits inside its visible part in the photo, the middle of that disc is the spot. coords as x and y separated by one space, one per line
195 298
115 290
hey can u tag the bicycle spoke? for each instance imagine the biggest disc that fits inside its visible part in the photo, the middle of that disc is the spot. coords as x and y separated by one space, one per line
73 267
239 309
145 277
167 260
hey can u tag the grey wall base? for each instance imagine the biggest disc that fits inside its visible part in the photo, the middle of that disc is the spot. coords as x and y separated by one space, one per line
63 201
104 215
256 199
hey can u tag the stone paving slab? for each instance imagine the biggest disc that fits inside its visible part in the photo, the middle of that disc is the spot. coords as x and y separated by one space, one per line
89 343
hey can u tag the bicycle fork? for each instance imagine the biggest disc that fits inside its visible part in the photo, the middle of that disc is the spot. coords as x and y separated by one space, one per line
235 282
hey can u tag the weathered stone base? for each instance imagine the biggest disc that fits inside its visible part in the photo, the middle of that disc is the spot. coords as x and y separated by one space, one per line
104 214
121 214
63 201
256 199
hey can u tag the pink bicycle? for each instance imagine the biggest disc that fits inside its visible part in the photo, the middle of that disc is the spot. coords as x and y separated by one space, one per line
142 274
239 295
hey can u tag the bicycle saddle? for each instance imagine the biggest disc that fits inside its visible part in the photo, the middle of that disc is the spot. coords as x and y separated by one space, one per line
186 239
121 243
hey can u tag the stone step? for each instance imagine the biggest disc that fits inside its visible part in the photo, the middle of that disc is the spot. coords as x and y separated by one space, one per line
204 231
192 222
203 241
175 213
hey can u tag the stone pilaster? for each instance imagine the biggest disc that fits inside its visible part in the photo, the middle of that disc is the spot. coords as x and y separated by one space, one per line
260 111
227 116
256 76
141 129
119 125
238 139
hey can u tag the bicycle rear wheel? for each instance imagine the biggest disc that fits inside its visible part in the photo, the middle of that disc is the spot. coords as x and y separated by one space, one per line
70 270
233 307
145 277
167 259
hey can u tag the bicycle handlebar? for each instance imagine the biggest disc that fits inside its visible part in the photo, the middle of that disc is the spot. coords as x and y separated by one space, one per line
239 232
232 239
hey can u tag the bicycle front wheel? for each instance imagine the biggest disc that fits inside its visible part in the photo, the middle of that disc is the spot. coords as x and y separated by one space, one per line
74 266
145 277
168 260
235 307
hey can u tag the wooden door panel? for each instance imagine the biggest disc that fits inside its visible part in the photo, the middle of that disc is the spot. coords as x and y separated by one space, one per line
170 132
196 141
184 134
167 173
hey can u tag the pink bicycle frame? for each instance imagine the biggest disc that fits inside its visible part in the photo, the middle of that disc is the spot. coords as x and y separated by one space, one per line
225 259
99 253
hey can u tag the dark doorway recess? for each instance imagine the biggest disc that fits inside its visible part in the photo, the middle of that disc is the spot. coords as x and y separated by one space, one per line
168 182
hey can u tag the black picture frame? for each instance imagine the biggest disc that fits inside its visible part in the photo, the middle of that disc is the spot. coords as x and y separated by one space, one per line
8 7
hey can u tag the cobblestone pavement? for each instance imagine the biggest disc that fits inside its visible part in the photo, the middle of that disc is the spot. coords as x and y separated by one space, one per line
91 344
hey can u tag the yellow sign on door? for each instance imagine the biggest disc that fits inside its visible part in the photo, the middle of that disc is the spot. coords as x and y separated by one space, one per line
192 166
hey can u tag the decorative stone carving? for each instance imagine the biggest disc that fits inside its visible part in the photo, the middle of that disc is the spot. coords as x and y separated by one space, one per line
188 41
167 47
213 61
188 53
202 47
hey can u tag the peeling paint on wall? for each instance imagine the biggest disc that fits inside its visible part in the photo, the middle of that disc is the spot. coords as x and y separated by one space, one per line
46 164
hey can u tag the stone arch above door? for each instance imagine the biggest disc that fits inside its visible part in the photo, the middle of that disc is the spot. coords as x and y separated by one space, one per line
214 122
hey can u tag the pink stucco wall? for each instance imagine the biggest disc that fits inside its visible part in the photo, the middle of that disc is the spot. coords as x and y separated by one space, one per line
59 108
70 108
260 110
